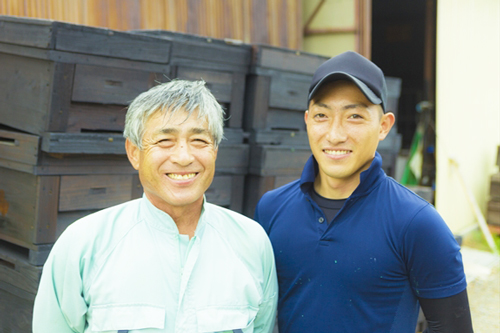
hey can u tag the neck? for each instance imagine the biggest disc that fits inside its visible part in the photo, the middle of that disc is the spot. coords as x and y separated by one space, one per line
185 217
335 188
338 188
186 220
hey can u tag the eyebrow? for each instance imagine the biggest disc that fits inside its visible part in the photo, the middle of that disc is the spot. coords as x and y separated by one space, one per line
345 107
355 105
194 130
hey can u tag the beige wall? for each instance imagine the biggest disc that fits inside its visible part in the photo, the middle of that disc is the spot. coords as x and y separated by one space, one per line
467 105
334 14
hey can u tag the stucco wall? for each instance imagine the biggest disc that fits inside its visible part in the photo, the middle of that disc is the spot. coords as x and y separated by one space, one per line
467 105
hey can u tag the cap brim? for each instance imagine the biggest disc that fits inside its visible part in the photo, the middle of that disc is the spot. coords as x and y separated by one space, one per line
334 76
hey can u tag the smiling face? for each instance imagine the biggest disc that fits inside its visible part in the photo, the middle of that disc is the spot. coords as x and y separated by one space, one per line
344 129
177 161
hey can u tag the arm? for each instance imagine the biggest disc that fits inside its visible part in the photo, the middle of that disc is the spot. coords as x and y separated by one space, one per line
59 304
447 315
264 321
435 269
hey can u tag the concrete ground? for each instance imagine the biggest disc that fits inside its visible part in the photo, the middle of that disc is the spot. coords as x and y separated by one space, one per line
482 269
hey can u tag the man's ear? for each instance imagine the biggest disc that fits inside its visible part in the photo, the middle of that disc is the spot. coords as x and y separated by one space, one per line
132 153
386 124
306 114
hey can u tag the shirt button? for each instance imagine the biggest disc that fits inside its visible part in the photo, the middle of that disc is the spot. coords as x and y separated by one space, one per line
321 220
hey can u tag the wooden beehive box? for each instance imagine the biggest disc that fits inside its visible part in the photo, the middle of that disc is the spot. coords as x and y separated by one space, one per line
493 212
389 150
19 282
16 309
272 166
277 88
59 77
44 186
36 209
222 63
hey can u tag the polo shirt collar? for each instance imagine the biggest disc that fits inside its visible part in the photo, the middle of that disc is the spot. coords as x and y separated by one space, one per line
368 179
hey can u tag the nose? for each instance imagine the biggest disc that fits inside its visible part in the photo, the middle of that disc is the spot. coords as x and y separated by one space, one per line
337 132
182 154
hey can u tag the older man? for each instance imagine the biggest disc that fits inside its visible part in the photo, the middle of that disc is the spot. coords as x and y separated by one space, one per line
170 261
355 250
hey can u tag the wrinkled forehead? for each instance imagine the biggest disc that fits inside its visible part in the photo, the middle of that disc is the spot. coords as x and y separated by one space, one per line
176 117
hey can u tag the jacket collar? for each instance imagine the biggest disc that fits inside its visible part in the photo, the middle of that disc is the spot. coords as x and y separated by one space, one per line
162 221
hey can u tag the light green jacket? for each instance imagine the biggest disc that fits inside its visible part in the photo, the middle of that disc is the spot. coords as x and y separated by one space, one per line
123 270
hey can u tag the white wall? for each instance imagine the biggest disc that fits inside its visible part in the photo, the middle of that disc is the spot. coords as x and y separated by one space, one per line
467 105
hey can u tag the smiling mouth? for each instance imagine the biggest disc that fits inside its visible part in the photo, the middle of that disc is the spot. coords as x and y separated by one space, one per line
337 152
177 176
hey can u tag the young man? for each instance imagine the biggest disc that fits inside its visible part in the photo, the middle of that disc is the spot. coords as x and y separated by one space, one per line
170 261
356 251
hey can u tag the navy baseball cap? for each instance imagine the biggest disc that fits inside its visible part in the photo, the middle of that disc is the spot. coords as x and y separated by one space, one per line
354 67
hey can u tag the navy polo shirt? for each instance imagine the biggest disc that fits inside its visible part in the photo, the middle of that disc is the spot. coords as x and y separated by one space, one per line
363 271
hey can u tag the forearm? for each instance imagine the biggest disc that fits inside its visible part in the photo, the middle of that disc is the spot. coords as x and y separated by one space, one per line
447 315
265 319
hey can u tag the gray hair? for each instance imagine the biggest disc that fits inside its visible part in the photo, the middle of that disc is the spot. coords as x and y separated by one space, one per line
169 98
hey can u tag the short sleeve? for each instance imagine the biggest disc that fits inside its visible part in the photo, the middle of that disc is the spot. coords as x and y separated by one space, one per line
432 256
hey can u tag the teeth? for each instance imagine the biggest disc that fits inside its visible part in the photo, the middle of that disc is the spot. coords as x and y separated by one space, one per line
337 152
181 177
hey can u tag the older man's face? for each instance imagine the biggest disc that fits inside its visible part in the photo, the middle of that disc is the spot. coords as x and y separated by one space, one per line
177 163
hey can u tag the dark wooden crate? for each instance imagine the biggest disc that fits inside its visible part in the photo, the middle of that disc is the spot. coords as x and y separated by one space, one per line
256 186
277 88
277 160
278 137
60 36
96 153
15 269
495 186
227 191
285 152
498 156
50 70
389 150
19 282
493 212
35 209
41 193
64 154
425 192
16 309
222 63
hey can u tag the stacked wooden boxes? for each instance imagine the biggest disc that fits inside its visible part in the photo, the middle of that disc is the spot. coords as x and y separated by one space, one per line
64 90
493 213
275 101
389 148
223 64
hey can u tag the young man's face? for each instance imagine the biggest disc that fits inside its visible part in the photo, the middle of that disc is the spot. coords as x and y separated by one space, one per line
177 162
344 129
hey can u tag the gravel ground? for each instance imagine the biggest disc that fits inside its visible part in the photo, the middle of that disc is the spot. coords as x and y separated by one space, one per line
483 276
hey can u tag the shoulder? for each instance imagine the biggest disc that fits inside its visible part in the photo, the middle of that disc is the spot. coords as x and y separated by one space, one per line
107 217
243 233
100 229
417 217
402 200
282 191
232 223
286 194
